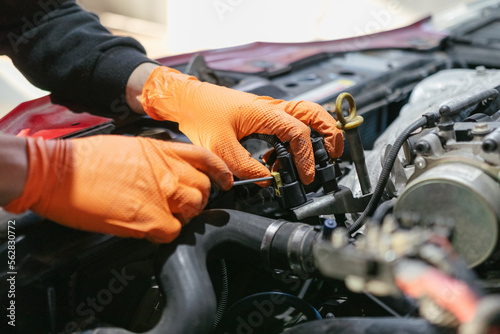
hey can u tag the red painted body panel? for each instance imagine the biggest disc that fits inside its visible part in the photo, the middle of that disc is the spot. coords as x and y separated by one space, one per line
42 118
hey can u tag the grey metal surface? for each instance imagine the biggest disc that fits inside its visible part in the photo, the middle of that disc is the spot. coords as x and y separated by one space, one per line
463 193
358 158
427 95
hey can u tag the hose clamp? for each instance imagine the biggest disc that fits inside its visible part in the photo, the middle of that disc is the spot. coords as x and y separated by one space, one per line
295 249
267 240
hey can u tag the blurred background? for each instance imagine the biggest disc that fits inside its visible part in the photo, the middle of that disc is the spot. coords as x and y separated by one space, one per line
168 27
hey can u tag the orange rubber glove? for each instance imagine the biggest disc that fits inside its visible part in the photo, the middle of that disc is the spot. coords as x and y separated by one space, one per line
128 187
217 118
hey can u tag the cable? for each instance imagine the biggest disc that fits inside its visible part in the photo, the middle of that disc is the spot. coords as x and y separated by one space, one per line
270 139
383 305
384 175
382 210
224 294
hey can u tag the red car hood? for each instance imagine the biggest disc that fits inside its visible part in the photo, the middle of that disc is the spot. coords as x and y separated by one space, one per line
42 118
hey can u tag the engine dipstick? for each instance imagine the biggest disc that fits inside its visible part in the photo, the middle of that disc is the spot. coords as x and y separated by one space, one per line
350 126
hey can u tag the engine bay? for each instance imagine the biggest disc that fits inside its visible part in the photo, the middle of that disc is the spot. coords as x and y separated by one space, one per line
399 235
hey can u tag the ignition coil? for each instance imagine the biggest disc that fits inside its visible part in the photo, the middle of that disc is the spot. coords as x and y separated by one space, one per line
325 171
289 189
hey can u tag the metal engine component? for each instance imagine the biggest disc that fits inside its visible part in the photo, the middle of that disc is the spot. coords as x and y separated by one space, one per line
453 168
428 95
464 193
457 177
350 126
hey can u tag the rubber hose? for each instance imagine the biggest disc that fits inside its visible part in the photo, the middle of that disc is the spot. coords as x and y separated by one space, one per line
382 210
191 304
384 175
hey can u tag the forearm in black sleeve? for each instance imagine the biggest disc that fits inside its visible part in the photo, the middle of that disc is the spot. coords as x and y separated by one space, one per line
62 48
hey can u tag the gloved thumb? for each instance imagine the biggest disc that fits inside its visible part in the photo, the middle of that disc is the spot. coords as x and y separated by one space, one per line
240 162
207 162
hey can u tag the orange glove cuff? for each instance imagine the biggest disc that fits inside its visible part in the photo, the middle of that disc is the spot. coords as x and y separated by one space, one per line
37 156
162 102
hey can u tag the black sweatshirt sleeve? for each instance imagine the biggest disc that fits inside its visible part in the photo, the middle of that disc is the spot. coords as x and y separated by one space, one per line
62 48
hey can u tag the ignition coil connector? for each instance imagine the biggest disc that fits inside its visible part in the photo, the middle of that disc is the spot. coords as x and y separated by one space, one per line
288 189
325 171
291 189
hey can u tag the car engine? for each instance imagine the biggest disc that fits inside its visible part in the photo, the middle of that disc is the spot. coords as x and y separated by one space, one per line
400 235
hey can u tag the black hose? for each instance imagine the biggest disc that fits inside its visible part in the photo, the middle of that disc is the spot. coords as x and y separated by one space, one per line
384 175
382 210
191 301
271 140
191 304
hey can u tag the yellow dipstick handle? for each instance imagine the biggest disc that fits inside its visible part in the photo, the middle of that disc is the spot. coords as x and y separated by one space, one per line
350 126
352 121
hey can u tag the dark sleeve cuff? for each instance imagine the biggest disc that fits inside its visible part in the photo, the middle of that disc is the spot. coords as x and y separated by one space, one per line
69 53
111 73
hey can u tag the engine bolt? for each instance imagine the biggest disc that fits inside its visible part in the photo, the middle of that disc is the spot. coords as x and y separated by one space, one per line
480 70
423 147
329 226
420 162
489 146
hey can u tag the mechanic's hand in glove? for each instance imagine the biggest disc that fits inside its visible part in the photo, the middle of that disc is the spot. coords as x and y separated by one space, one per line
129 187
217 118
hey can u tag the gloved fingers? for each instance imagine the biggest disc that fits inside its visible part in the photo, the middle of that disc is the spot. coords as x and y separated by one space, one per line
240 162
206 162
271 161
267 155
129 187
166 232
312 114
303 157
335 144
299 136
187 202
193 186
